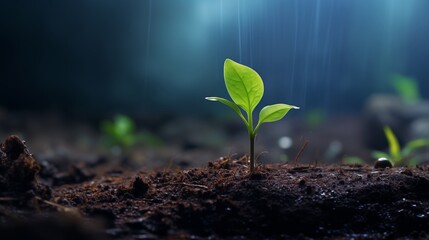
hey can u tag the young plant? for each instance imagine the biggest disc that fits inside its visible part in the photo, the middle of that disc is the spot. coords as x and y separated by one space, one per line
407 88
401 156
120 132
246 89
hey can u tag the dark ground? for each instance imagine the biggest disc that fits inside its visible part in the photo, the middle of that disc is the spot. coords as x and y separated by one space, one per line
220 201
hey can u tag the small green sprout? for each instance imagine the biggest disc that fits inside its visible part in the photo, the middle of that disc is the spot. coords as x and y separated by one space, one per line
315 117
246 89
119 132
401 157
407 88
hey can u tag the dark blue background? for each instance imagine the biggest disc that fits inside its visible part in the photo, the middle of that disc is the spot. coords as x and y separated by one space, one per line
163 56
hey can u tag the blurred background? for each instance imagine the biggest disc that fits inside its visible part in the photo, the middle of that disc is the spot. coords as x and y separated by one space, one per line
85 79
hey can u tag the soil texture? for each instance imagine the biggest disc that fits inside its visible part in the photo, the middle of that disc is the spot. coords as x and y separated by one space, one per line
220 201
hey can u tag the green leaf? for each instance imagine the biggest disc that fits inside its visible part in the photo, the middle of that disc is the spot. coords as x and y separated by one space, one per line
246 89
229 104
412 162
244 85
120 131
272 113
123 125
407 88
394 148
415 144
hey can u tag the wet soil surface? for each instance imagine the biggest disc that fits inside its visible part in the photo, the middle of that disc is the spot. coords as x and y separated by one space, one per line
220 201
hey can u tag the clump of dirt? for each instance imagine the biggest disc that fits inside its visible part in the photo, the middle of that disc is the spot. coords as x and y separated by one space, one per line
139 187
18 169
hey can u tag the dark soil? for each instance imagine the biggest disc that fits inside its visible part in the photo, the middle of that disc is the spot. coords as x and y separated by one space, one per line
220 201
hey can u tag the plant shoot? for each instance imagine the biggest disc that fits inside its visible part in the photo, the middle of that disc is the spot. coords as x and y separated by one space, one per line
406 156
246 88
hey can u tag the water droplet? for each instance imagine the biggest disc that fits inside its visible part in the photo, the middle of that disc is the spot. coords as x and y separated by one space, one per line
383 163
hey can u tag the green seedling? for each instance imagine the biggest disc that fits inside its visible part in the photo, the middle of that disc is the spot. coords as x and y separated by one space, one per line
119 132
315 117
246 89
405 156
407 88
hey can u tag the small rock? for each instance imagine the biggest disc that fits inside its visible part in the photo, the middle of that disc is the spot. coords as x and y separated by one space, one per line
18 168
140 187
383 163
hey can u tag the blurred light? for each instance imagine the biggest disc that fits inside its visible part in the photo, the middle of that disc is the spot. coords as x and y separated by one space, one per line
285 142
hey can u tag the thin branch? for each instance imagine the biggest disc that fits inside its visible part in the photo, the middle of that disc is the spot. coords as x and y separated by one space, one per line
301 151
186 184
59 206
9 199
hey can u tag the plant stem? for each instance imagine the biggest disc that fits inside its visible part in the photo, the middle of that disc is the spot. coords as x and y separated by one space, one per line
252 153
252 140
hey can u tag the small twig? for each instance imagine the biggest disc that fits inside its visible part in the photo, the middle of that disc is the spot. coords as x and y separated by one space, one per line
260 154
301 151
170 165
195 185
230 155
59 206
9 199
317 156
187 184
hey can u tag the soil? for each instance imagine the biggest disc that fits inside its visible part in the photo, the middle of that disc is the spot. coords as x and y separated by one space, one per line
220 201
